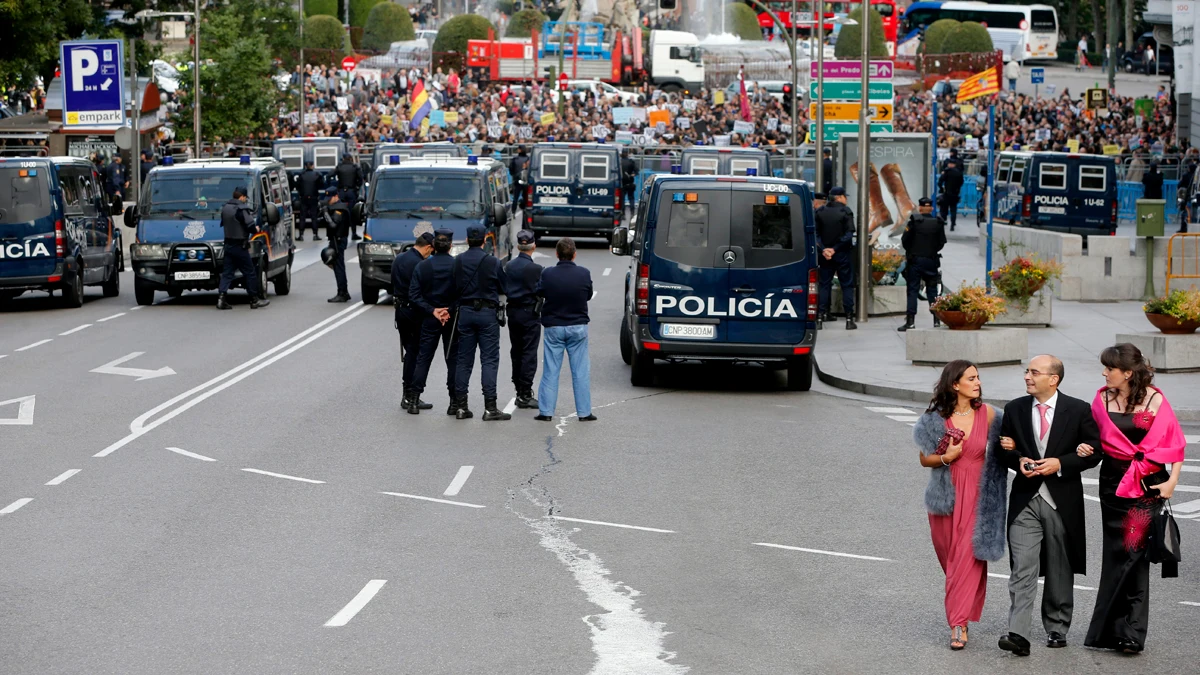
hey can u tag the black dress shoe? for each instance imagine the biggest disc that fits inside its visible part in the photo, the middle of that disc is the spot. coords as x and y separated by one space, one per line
1055 639
1011 642
1128 645
589 418
544 418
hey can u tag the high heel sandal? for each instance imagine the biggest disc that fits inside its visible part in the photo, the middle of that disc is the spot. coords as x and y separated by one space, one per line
957 641
965 638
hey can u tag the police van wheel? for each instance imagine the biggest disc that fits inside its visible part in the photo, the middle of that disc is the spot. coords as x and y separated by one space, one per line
112 285
73 292
799 373
143 292
283 281
626 342
262 276
642 374
370 294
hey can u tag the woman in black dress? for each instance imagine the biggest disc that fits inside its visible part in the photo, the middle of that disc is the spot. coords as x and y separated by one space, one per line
1143 453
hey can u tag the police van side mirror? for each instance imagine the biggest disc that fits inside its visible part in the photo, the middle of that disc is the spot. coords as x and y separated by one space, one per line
358 211
272 211
499 213
131 216
620 241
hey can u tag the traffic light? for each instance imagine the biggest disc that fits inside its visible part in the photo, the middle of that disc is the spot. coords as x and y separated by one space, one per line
666 4
789 99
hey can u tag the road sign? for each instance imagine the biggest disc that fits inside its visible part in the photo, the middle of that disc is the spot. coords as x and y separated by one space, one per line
852 70
852 91
1097 99
1037 75
877 112
834 130
348 63
93 83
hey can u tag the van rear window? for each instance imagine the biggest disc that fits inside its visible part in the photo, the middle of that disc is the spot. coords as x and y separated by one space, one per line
325 157
594 167
1018 173
292 158
1053 176
772 227
703 167
23 198
688 227
1093 178
554 166
738 167
1002 174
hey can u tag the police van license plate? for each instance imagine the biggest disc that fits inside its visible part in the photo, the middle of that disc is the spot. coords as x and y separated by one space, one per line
690 331
552 200
191 276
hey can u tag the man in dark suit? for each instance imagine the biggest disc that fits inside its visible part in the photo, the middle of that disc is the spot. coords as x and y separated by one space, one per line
1040 434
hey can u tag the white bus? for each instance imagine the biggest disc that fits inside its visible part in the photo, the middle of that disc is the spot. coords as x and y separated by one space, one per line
1022 32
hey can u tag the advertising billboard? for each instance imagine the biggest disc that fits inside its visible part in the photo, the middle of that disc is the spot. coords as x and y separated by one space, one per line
897 176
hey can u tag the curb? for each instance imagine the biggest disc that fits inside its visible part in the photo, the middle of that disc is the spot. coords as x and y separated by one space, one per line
922 397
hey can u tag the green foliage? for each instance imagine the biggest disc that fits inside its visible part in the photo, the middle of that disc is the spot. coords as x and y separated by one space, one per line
323 32
320 8
849 42
1182 305
30 31
506 6
968 38
936 33
742 21
275 20
360 11
387 23
453 35
525 22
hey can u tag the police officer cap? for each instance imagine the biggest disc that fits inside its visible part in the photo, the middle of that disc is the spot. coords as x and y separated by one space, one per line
239 192
525 237
443 234
475 232
820 195
838 191
425 239
331 191
925 201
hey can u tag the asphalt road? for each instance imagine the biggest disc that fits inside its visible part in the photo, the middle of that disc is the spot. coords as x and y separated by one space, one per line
265 507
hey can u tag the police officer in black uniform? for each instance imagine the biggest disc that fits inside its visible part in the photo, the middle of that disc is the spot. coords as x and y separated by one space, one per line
337 219
237 219
517 172
521 276
479 280
349 180
629 172
835 248
308 184
432 295
408 321
923 239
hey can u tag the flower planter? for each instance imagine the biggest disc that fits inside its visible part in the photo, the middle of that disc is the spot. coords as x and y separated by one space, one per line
1038 314
877 276
961 321
1169 325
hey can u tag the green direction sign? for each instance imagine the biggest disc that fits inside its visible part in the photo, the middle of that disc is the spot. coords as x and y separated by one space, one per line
834 130
852 91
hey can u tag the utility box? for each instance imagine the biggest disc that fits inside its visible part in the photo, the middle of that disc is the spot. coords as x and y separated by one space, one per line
1151 217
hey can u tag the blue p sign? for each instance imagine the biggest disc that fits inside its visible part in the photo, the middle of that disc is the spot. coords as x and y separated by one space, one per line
93 83
1037 75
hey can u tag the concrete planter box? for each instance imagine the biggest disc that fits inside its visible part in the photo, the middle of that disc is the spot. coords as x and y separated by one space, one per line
984 347
1039 313
1167 353
881 300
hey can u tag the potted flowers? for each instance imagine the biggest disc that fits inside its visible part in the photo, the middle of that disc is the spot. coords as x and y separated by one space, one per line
885 262
1176 313
1018 280
968 308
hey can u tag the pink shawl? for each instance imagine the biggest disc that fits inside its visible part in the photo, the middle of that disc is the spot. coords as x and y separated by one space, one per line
1163 444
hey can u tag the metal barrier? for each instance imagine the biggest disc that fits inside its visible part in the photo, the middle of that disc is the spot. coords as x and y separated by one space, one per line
1187 240
1129 192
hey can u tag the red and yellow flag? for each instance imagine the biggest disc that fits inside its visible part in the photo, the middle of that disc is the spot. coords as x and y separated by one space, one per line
982 84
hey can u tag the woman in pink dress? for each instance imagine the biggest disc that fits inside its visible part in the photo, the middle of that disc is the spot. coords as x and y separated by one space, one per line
958 437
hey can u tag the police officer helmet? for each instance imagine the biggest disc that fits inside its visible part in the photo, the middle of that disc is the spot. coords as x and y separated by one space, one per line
327 255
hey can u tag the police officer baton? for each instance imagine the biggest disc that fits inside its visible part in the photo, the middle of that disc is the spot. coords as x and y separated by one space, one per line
453 330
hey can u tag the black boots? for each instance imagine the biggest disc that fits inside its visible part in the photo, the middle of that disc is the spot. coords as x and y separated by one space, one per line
937 323
526 401
409 403
222 303
850 325
259 302
461 411
910 322
340 297
491 413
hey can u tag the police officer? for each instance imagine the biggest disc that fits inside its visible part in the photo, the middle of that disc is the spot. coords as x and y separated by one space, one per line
337 219
116 181
521 277
237 219
923 239
308 184
835 247
819 200
408 322
479 280
827 170
516 169
349 180
629 173
432 295
951 185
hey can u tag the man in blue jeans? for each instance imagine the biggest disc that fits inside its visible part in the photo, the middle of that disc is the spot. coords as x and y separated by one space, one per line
567 288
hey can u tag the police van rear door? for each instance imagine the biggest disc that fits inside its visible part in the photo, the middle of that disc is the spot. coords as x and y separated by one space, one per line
1094 197
1051 202
553 187
27 246
595 194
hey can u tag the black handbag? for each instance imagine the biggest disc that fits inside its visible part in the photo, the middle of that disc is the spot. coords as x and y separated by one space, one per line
1163 546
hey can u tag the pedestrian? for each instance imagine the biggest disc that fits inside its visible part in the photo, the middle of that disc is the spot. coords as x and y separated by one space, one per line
923 239
479 283
237 219
408 321
431 293
827 171
147 163
958 438
349 180
1012 70
1081 53
308 185
951 182
116 180
819 200
1143 447
835 241
336 215
521 276
517 169
566 288
1152 183
629 172
1046 533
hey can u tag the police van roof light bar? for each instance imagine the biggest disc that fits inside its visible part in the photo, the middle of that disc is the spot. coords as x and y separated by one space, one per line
245 159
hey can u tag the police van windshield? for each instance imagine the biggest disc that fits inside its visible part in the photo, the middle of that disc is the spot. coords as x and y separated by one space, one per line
23 198
411 195
190 197
695 226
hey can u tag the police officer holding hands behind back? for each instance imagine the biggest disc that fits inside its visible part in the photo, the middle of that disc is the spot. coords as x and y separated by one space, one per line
237 219
408 319
479 280
524 320
923 239
349 180
308 185
337 218
432 295
835 247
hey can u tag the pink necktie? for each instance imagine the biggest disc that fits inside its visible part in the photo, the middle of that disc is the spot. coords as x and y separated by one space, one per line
1042 408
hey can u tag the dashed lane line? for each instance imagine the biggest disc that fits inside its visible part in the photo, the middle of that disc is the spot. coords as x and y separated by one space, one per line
39 343
1041 581
620 525
134 309
432 499
285 476
512 405
893 411
1191 604
838 554
355 606
62 477
607 271
904 418
1192 439
185 453
15 505
460 479
76 329
110 318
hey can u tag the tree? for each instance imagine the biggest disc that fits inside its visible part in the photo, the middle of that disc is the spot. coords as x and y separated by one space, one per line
360 12
276 20
968 38
523 23
849 42
387 23
936 33
30 31
453 35
320 7
323 32
743 21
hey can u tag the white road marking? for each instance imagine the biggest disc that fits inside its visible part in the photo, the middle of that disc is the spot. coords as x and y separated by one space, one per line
134 309
431 499
15 505
3 356
833 553
894 411
1187 507
62 477
512 405
1192 439
539 254
284 475
601 522
607 271
76 329
1089 497
112 368
39 343
355 606
1041 581
110 318
25 408
185 453
904 418
352 261
1189 469
1192 604
460 479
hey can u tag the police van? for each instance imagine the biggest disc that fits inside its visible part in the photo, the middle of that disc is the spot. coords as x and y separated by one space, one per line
180 241
1070 193
574 189
713 161
324 153
55 229
723 269
404 151
433 192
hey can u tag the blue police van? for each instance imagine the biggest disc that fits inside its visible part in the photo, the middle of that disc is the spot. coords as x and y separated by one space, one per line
180 242
384 151
324 153
723 269
433 192
1070 193
573 189
714 161
55 229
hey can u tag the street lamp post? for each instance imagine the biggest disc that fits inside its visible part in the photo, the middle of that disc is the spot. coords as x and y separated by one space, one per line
864 173
300 10
196 78
819 137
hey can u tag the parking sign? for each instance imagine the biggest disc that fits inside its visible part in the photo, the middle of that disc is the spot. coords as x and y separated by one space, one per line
93 83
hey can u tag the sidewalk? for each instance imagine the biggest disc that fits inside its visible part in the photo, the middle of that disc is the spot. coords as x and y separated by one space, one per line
871 360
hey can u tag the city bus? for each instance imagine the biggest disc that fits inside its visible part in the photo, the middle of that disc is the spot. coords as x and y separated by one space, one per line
1022 32
804 22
